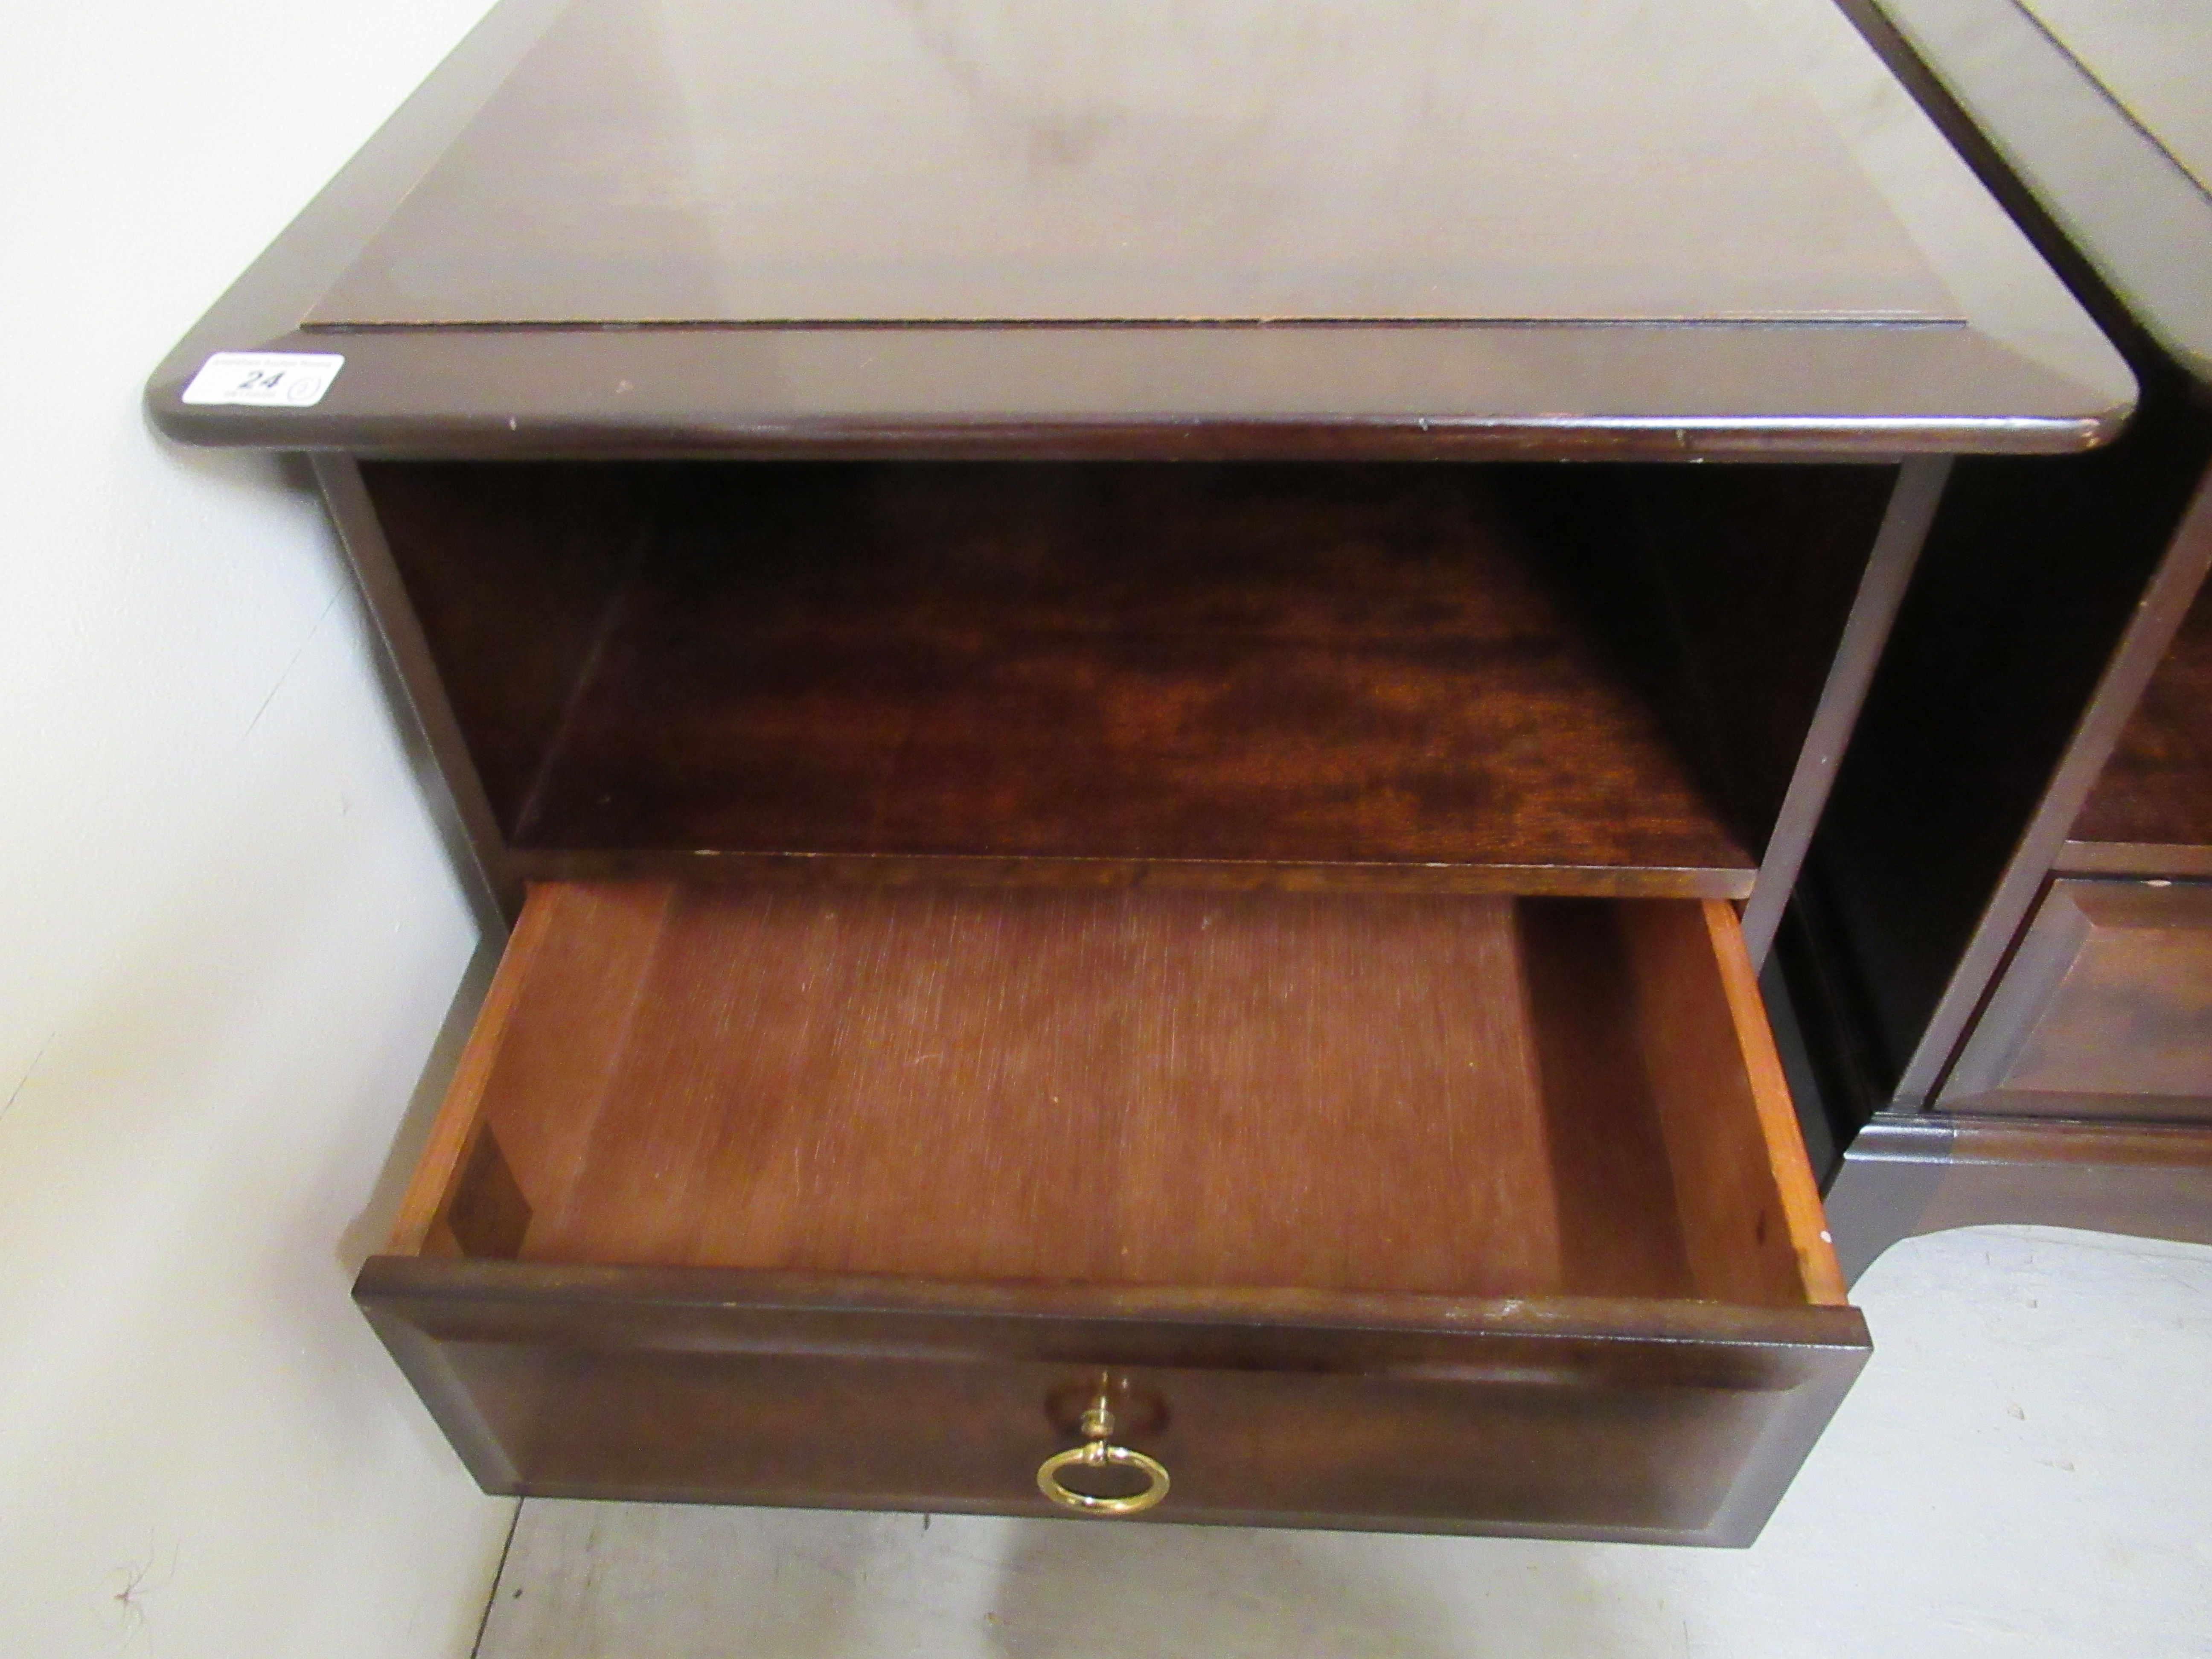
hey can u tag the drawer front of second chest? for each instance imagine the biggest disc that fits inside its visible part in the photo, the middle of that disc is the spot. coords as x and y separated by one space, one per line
1679 1422
2105 1012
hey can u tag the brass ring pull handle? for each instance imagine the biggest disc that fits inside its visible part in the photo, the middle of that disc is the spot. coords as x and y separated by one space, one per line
1098 1452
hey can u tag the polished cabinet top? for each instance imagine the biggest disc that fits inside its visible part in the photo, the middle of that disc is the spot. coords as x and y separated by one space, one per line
2153 57
1058 161
1167 227
2103 108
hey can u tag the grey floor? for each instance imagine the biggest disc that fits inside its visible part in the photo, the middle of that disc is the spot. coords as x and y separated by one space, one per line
2024 1468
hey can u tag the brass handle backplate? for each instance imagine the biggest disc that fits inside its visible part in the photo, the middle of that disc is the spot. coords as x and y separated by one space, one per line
1098 1451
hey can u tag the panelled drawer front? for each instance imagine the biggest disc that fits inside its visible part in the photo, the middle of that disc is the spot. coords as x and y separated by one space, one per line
2104 1012
1665 1421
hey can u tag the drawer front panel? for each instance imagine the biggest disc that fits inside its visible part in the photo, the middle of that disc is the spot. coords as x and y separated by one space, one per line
2104 1012
1679 1422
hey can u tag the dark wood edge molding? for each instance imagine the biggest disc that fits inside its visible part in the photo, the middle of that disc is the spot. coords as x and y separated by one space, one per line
1480 391
2001 1142
949 1315
1889 1176
266 303
420 1358
1787 1443
1907 1175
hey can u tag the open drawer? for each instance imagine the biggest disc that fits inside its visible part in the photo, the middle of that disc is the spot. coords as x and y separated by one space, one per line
1425 1211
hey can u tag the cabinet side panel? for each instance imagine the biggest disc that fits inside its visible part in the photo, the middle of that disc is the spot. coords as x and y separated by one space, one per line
1759 570
513 574
1820 742
436 744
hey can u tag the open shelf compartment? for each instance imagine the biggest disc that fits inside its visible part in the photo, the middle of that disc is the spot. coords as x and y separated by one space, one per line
1436 677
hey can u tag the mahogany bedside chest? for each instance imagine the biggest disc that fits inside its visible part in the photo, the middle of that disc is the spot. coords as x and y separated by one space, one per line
1142 682
2003 949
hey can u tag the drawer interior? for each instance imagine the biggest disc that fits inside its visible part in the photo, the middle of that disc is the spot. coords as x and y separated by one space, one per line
1471 1095
1587 679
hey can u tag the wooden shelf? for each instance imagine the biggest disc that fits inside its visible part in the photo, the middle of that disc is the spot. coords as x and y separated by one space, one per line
1450 1095
1360 675
2150 813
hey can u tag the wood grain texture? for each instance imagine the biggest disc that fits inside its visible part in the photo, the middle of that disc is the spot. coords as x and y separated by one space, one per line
1673 1421
1749 606
1465 1096
1224 666
807 1170
2050 591
586 997
1616 1198
1145 1089
488 1214
2157 858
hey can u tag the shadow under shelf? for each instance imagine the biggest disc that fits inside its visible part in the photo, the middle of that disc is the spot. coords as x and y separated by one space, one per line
1362 677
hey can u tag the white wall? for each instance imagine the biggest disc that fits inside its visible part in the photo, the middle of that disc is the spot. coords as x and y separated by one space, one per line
228 935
